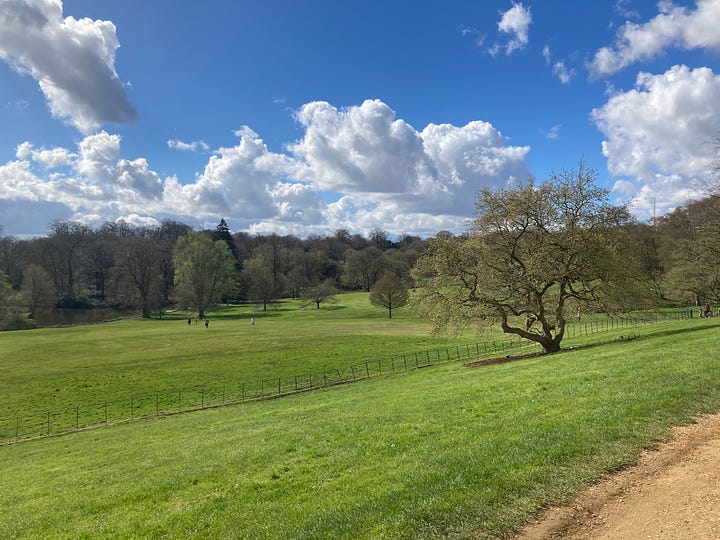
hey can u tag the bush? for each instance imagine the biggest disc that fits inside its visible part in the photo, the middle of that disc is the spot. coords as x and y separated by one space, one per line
18 322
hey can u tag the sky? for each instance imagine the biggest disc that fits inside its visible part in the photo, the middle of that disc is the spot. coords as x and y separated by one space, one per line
305 117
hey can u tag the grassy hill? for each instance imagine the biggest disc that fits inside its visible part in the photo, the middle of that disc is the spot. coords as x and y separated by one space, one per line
445 451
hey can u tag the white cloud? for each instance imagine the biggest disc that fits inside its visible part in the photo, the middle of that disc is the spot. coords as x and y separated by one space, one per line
563 73
516 23
188 146
73 61
660 134
361 149
546 54
553 132
49 159
674 26
384 172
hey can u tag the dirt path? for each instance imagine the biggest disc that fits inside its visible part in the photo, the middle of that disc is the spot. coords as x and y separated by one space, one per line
672 493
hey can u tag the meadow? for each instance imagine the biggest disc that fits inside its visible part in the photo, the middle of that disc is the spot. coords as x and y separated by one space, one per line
445 451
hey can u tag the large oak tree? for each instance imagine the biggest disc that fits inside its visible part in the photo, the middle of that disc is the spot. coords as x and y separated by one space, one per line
536 254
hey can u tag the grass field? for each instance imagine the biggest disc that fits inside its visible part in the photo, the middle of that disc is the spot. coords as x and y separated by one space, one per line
444 451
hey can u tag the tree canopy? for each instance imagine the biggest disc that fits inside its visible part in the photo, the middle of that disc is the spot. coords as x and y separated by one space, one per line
204 270
536 254
389 292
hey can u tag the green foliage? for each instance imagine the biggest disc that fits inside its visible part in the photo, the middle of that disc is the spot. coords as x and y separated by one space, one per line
204 270
439 452
17 322
536 254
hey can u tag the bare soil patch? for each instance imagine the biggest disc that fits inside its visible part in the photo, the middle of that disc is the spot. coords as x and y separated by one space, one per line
673 492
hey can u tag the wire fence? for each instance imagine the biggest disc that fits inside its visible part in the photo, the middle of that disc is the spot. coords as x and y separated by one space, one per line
26 425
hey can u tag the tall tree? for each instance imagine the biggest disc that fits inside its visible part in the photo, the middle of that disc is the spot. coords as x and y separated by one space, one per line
5 296
260 283
68 237
534 254
204 270
141 262
389 292
364 267
37 289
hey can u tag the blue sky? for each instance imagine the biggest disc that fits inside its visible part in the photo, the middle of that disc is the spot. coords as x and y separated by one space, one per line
306 117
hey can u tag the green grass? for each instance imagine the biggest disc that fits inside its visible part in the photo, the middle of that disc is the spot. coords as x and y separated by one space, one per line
59 367
443 451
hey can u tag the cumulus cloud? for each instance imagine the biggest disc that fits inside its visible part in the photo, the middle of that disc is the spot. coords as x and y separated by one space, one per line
674 26
193 146
49 158
660 134
73 61
358 168
361 149
516 23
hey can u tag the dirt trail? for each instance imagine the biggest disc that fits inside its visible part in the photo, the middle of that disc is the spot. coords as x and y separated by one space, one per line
672 493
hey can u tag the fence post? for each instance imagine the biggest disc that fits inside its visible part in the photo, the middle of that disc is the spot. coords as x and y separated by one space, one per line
325 377
352 368
279 385
202 398
367 369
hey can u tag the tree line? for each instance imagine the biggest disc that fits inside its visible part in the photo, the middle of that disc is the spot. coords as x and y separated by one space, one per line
153 269
537 255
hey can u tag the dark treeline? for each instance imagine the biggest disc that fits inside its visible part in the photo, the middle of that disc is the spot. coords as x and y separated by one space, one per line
123 266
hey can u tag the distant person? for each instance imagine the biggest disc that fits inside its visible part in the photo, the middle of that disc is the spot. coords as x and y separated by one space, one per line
252 321
189 322
207 323
707 310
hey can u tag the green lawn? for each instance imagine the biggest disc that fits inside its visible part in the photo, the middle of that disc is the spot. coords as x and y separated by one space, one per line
444 451
55 367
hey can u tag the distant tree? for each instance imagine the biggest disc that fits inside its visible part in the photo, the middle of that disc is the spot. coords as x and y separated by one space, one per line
222 232
259 280
11 259
37 289
535 253
100 261
321 293
141 263
68 238
204 270
5 296
364 267
389 292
